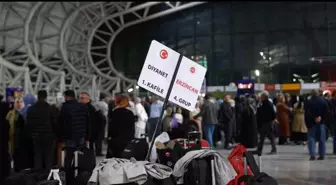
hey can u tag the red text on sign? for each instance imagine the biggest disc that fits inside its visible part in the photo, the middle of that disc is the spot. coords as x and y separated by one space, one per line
187 86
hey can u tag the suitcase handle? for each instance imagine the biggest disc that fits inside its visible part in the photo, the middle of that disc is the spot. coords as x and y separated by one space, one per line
249 161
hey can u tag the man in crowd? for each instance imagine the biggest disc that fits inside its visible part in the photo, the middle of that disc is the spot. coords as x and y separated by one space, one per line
95 125
41 120
209 118
315 112
154 115
226 120
73 120
266 118
103 109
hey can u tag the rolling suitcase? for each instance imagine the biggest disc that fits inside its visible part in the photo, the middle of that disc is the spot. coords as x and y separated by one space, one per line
258 177
200 172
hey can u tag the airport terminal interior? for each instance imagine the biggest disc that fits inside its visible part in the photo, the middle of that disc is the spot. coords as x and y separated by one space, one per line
252 52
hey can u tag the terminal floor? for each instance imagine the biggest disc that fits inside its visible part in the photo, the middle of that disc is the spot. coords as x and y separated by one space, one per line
292 167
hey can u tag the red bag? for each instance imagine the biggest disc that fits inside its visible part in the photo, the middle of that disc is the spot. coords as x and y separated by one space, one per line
236 159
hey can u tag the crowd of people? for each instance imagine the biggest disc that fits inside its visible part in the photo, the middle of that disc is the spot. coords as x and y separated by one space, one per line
34 132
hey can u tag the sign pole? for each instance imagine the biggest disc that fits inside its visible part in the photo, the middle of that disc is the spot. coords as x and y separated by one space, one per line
164 106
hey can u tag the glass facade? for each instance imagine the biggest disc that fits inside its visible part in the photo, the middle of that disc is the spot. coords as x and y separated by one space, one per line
282 40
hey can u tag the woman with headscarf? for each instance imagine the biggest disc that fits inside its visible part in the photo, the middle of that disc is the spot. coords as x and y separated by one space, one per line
121 127
282 115
299 127
20 145
249 127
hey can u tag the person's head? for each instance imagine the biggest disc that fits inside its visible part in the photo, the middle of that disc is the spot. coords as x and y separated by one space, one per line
84 97
264 95
1 97
207 97
320 92
281 98
42 95
288 97
227 98
137 100
301 98
315 92
18 103
123 101
69 95
154 99
102 97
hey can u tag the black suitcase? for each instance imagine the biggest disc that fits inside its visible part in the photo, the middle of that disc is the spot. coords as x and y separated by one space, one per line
26 177
82 178
200 172
258 178
82 160
137 149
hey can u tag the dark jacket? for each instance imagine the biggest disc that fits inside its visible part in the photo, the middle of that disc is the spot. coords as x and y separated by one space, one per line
226 114
314 108
120 131
74 121
121 124
208 112
41 119
96 122
265 113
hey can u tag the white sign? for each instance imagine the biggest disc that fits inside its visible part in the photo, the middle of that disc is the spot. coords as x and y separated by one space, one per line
188 83
157 72
158 69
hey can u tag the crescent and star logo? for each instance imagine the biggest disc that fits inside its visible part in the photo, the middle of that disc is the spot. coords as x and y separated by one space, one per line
192 70
163 54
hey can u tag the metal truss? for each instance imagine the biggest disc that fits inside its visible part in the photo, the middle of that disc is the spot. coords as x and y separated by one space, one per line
13 76
56 40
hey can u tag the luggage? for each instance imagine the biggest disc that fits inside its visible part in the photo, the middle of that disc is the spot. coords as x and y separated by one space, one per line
200 172
82 178
137 149
83 160
48 182
236 158
26 177
258 178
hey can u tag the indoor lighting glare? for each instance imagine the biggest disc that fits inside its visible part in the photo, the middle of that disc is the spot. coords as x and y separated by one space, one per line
130 90
261 53
294 80
257 72
270 58
137 87
264 57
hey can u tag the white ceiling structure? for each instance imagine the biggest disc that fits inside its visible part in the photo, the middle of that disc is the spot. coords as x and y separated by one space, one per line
49 45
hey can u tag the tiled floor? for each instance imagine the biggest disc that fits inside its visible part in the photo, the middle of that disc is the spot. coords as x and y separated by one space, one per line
292 167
